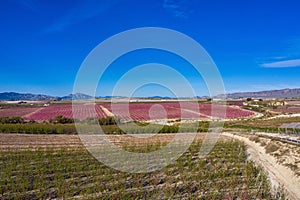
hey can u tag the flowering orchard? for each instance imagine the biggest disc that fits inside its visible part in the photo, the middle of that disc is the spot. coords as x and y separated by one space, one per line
83 112
175 110
132 111
17 111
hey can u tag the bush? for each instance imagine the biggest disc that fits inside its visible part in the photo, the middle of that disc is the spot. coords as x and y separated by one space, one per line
38 128
11 120
61 120
254 138
271 147
109 121
263 143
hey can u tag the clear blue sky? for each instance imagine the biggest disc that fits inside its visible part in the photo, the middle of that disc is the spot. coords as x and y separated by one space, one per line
255 44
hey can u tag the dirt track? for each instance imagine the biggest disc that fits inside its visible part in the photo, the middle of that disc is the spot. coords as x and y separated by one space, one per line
278 174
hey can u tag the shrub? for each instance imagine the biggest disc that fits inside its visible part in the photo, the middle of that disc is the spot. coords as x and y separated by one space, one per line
254 138
61 120
271 147
263 143
11 120
109 121
38 128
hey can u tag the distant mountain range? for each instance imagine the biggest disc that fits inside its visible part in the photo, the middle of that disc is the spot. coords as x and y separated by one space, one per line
77 96
284 93
13 96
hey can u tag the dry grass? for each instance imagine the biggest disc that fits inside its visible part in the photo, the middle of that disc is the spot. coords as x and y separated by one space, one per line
285 154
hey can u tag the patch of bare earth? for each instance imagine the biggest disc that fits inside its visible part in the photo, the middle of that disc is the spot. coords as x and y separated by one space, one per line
107 112
281 161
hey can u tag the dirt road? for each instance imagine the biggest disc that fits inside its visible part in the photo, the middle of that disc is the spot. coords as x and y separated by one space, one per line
278 174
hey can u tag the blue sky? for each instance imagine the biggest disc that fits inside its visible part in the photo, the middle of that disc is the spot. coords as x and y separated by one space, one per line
255 44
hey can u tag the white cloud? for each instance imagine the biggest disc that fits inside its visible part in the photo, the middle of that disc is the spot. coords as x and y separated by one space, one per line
83 11
33 5
282 64
178 8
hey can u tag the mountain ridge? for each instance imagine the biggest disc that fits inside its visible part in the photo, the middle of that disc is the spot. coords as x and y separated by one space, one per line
14 96
280 93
